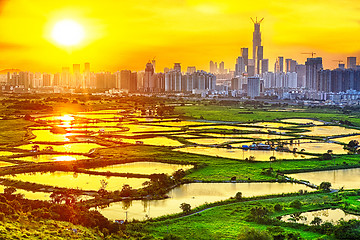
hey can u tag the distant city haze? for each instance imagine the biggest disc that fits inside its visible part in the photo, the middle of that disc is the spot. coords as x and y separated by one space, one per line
127 34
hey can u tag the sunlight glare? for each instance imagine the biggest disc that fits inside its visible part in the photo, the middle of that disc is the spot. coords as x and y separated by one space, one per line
68 32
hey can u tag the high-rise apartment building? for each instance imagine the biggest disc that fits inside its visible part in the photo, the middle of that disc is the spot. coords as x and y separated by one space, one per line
148 82
191 69
253 87
177 67
351 62
279 65
245 55
313 65
290 65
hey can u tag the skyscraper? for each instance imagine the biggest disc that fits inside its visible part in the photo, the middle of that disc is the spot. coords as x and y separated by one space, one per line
253 87
351 62
313 65
148 84
87 68
177 67
153 62
212 67
264 66
222 67
191 69
279 65
259 57
256 36
290 65
245 55
239 67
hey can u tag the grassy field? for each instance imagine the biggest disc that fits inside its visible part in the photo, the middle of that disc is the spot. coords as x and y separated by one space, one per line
225 113
23 228
226 222
13 131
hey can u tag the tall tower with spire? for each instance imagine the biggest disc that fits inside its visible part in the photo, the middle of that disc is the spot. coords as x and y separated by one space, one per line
257 48
256 36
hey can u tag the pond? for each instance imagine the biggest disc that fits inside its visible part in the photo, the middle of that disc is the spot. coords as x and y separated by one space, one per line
272 124
143 168
326 131
347 178
29 194
49 158
195 194
347 139
213 141
234 153
6 164
77 180
47 136
72 147
319 147
180 123
326 215
135 128
304 121
251 136
156 141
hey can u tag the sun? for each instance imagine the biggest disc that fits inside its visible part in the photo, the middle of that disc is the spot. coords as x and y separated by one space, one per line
68 32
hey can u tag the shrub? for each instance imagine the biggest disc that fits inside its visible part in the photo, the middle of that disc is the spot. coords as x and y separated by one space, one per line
296 204
278 207
325 186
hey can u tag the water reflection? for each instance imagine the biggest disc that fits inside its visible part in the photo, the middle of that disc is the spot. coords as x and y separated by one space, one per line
326 215
241 154
80 180
195 194
143 168
347 178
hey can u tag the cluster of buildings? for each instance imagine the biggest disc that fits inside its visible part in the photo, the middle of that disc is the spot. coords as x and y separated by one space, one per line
147 81
251 78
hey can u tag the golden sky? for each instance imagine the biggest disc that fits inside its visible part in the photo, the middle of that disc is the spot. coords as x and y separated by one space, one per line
126 34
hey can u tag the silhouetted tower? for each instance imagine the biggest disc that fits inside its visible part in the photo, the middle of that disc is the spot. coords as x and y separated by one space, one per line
256 36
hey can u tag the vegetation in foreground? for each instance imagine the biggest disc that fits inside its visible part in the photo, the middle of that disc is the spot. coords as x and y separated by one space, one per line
256 218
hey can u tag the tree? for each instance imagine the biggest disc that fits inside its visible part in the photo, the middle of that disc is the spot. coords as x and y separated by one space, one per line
277 207
326 156
325 186
8 191
238 196
258 214
296 204
185 207
126 190
272 159
316 221
254 234
179 174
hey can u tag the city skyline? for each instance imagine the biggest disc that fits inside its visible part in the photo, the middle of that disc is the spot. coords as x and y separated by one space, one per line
120 35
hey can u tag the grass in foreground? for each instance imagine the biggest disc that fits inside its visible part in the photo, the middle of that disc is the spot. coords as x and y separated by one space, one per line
228 221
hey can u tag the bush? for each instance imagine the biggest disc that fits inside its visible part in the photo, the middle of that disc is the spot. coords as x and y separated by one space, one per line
171 236
325 186
252 234
278 207
238 196
296 204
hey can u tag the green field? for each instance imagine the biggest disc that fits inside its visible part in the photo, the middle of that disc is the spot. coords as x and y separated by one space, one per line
228 221
225 113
